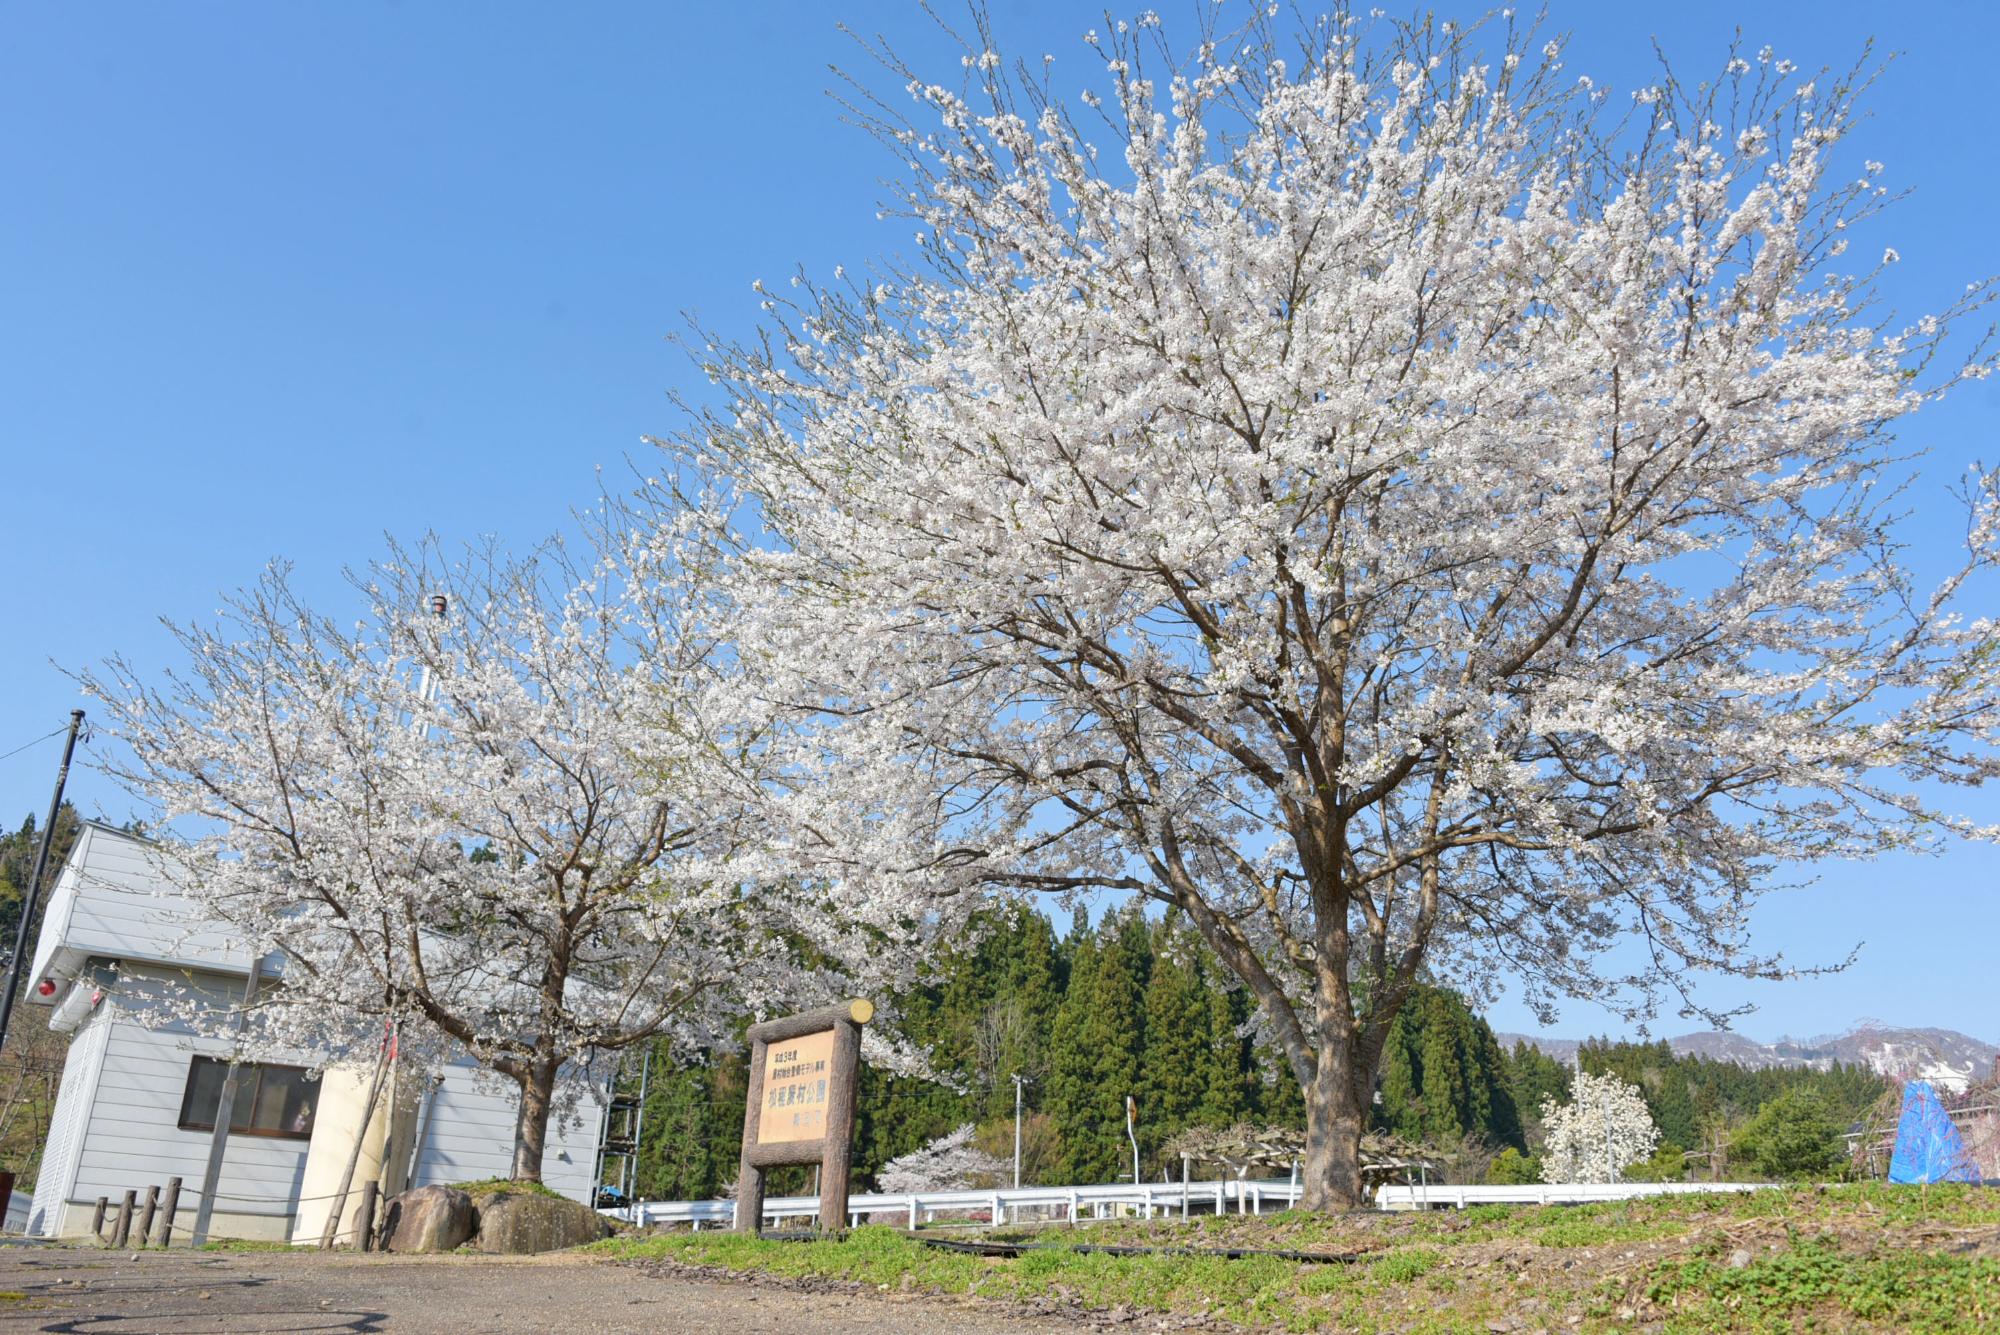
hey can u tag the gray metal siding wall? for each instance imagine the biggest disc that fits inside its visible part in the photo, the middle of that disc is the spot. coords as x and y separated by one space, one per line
471 1137
135 1140
74 1096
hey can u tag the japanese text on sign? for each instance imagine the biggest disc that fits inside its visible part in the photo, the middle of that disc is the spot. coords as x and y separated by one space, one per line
796 1073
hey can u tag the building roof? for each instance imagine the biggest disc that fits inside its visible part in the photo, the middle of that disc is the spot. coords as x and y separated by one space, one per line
114 900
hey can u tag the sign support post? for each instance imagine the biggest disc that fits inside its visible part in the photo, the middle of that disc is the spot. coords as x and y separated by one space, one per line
800 1107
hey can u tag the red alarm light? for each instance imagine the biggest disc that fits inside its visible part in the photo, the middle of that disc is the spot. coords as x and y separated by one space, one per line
47 987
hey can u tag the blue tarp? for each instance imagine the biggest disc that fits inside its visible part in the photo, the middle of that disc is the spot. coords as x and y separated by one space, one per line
1928 1147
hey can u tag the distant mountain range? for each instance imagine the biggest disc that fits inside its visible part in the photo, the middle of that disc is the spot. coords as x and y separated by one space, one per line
1945 1057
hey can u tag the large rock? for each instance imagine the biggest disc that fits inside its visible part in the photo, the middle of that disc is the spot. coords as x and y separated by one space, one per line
428 1219
517 1222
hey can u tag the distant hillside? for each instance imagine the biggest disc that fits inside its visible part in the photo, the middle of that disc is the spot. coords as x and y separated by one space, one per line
1944 1056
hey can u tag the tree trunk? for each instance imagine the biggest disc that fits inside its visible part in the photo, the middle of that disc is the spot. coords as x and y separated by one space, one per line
1334 1123
531 1127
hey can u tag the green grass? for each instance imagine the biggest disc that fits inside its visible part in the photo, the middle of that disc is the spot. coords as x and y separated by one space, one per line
249 1245
1247 1291
1405 1264
1861 1257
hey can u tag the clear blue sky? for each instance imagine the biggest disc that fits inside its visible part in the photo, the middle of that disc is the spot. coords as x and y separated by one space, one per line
275 279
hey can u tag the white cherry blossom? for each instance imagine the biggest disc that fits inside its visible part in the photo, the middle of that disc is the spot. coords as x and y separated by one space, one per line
537 826
1383 506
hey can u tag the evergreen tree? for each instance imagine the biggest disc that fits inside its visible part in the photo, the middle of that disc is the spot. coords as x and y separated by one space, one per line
1445 1083
691 1137
1185 1068
1233 1076
1794 1136
1276 1099
1012 1033
1534 1078
1444 1077
676 1159
1399 1100
1096 1052
1503 1120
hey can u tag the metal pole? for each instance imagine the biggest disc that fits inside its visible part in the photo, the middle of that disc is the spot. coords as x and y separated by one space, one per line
630 1177
225 1109
1018 1082
1132 1133
29 899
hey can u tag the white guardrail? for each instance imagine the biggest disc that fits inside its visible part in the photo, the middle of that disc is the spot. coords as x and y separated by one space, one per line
1545 1193
999 1207
1150 1199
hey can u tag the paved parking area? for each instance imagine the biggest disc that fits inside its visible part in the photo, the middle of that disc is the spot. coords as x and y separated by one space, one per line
63 1289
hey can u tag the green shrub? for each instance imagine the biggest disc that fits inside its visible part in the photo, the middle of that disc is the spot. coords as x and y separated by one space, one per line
1794 1136
1511 1168
1668 1164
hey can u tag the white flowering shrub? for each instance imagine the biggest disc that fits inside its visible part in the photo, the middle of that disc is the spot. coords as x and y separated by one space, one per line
1603 1128
948 1163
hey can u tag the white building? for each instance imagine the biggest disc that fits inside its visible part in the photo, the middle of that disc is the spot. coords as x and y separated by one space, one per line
138 1101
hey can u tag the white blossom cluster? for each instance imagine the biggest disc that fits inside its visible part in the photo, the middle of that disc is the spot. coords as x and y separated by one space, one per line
539 825
1604 1128
949 1163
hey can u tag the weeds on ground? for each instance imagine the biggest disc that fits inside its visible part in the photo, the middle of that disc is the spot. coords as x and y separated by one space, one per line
1907 1291
493 1186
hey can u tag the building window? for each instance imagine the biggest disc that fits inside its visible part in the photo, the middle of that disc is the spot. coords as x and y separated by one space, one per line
270 1100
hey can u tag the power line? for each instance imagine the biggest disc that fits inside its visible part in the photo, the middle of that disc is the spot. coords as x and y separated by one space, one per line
37 742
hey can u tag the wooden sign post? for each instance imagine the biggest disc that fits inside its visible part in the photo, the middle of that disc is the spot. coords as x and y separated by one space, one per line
800 1107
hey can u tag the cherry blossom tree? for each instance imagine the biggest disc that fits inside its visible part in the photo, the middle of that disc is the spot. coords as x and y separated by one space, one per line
531 822
1603 1128
1401 504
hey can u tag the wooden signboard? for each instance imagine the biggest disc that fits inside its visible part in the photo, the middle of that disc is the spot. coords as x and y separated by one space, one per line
800 1107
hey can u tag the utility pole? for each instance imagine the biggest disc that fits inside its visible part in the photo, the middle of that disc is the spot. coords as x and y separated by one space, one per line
1019 1081
33 894
225 1112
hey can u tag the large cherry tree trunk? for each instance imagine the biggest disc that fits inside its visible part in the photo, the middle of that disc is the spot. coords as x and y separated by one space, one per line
531 1126
1337 1092
1332 1170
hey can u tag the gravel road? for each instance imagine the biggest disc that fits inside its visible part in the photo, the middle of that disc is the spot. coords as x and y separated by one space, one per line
67 1289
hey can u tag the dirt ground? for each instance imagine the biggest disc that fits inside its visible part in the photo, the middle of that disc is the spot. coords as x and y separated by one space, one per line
64 1289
